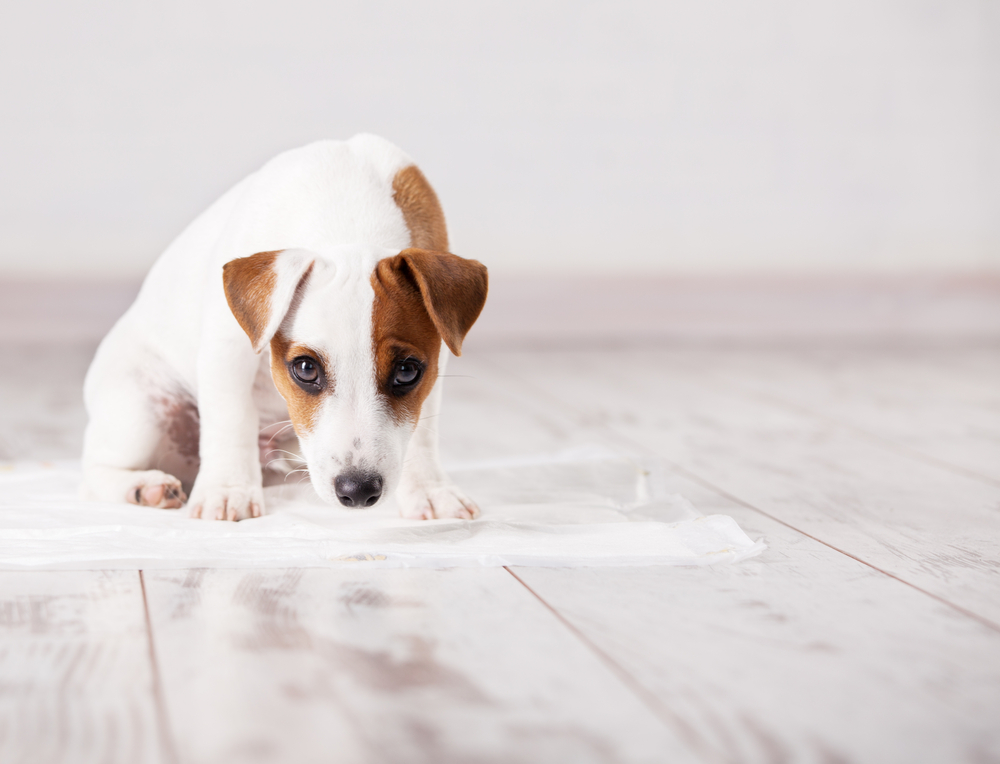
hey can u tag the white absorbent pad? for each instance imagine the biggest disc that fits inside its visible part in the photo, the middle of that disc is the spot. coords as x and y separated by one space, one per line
584 508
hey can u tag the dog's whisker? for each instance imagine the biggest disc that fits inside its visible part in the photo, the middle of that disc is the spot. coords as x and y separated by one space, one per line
293 455
302 478
275 437
275 424
278 433
296 462
274 461
275 433
289 458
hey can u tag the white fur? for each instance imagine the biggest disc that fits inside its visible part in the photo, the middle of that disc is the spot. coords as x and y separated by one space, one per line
328 204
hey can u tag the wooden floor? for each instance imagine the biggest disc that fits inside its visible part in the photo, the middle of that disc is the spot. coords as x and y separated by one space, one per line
869 631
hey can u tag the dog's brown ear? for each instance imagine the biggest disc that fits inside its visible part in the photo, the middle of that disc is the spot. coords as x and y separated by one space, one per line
453 289
260 290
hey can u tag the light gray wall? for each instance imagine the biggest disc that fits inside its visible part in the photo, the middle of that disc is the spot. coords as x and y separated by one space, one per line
846 135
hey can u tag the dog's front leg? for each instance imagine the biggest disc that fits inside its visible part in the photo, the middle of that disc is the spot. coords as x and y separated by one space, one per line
228 486
425 491
259 290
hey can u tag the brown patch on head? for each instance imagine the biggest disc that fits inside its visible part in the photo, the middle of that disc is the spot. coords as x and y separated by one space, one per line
249 283
421 298
302 405
401 329
421 209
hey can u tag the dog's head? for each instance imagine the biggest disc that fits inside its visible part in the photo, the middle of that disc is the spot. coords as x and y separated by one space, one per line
355 338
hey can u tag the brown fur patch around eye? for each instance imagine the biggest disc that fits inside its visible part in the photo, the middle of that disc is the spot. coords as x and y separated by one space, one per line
302 406
422 295
249 283
402 328
421 209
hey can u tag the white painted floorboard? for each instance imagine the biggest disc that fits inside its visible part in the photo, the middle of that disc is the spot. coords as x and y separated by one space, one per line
932 527
803 655
918 401
867 632
77 684
386 666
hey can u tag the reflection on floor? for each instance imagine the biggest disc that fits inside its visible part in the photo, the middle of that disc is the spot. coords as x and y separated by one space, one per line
869 630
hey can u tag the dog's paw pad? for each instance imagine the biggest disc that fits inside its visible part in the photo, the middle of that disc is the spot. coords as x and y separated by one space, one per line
160 491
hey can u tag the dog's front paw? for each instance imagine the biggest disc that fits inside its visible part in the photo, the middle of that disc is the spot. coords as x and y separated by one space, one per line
156 489
436 501
225 502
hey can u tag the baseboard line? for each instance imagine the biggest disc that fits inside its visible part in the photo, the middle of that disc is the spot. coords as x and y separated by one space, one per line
549 311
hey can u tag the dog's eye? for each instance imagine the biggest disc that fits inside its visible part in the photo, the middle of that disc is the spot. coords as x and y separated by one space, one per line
305 370
407 373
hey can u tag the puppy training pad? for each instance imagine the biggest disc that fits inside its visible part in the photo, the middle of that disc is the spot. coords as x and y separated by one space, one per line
584 508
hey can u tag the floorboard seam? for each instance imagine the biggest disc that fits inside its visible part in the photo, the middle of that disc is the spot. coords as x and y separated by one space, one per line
648 699
722 492
679 469
161 704
886 443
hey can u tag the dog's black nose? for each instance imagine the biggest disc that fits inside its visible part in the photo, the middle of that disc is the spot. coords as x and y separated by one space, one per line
358 489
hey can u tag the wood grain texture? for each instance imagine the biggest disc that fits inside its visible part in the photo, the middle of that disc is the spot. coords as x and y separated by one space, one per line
386 666
76 679
801 655
921 401
929 526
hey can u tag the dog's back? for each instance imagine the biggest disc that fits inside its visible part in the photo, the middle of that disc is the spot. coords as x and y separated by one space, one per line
315 197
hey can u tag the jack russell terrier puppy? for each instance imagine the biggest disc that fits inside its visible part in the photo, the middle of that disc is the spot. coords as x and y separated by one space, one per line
316 295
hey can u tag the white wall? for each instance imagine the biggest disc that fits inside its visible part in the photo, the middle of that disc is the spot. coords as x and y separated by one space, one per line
847 135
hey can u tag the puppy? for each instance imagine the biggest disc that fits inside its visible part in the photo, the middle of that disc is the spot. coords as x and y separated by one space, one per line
314 296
